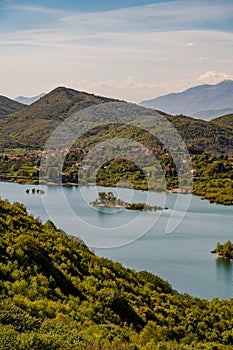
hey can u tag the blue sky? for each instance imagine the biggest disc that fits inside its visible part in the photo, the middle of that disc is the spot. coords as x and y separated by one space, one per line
87 5
133 50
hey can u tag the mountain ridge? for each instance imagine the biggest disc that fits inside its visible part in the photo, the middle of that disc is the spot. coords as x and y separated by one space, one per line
31 126
29 100
202 101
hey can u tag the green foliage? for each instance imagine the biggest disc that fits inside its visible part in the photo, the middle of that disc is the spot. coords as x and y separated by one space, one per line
31 126
56 294
224 250
8 106
107 199
28 130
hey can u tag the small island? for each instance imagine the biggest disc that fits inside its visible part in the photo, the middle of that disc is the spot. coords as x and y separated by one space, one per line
224 251
108 200
33 191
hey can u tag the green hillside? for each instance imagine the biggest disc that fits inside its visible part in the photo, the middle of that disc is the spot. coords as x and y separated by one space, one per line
57 294
8 106
200 135
224 121
210 144
31 127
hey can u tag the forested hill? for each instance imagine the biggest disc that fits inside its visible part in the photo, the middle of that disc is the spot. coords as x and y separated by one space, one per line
57 294
31 127
8 106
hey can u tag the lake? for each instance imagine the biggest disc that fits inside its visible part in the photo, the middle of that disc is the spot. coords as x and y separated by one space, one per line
174 244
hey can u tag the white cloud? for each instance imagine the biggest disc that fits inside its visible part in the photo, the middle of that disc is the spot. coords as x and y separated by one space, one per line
205 58
187 44
213 77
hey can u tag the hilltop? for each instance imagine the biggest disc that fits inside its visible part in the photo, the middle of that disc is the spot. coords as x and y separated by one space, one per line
31 126
56 294
203 101
210 144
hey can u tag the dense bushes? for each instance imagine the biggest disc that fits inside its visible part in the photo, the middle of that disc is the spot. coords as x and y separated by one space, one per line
56 294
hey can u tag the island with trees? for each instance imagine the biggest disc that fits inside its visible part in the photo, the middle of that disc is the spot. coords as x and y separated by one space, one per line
224 250
108 200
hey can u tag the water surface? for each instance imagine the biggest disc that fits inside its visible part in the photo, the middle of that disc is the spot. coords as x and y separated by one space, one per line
139 239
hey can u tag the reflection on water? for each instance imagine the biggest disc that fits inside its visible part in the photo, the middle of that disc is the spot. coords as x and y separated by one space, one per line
225 268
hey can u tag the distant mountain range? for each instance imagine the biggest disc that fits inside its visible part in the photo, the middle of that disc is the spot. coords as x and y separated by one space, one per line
29 127
28 100
204 101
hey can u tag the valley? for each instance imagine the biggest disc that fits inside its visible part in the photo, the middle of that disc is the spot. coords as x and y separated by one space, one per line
24 135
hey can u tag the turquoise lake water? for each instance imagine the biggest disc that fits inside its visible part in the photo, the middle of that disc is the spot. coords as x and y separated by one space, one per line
174 244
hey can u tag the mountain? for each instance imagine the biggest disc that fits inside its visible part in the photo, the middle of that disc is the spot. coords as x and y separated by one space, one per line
212 113
56 294
31 126
29 100
8 106
204 101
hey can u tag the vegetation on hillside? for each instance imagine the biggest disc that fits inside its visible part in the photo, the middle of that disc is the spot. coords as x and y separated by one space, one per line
210 145
212 175
32 126
56 294
8 106
213 178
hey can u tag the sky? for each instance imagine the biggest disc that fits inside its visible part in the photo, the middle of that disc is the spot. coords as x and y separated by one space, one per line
132 50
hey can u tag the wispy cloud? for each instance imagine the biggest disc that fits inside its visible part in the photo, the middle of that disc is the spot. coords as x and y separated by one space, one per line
133 53
179 15
69 26
38 9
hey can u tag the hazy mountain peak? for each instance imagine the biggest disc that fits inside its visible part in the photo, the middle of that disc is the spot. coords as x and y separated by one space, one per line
29 100
205 101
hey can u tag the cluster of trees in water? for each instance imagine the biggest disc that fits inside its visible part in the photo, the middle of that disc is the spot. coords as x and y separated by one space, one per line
56 294
224 250
107 199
